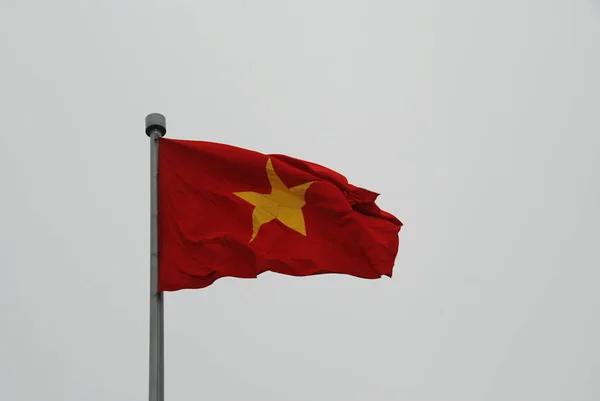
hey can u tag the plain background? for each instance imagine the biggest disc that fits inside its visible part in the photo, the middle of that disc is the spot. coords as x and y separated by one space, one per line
477 121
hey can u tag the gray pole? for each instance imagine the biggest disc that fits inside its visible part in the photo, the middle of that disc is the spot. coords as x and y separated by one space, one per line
156 128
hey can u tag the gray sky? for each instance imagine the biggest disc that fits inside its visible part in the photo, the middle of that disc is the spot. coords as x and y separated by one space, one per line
477 121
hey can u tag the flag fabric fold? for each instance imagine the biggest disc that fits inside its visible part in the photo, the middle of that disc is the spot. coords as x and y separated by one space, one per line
225 211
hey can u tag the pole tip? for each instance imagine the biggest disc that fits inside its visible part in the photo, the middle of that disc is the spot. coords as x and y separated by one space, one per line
156 121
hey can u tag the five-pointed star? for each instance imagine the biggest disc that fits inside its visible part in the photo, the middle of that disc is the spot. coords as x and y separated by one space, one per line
283 203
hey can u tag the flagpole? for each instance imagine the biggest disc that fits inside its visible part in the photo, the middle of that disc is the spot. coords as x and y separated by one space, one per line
156 128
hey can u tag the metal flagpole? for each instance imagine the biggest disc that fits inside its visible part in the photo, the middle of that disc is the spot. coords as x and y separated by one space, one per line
156 128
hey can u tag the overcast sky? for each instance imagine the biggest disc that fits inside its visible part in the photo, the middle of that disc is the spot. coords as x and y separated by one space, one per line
477 121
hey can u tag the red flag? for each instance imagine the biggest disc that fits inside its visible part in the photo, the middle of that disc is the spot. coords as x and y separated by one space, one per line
231 212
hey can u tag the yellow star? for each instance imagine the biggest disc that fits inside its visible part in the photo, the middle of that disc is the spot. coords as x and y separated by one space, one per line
283 203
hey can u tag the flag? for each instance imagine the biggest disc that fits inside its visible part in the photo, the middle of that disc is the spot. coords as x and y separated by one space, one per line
225 211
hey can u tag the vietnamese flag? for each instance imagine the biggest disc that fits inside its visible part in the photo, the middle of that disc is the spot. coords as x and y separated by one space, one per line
224 211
